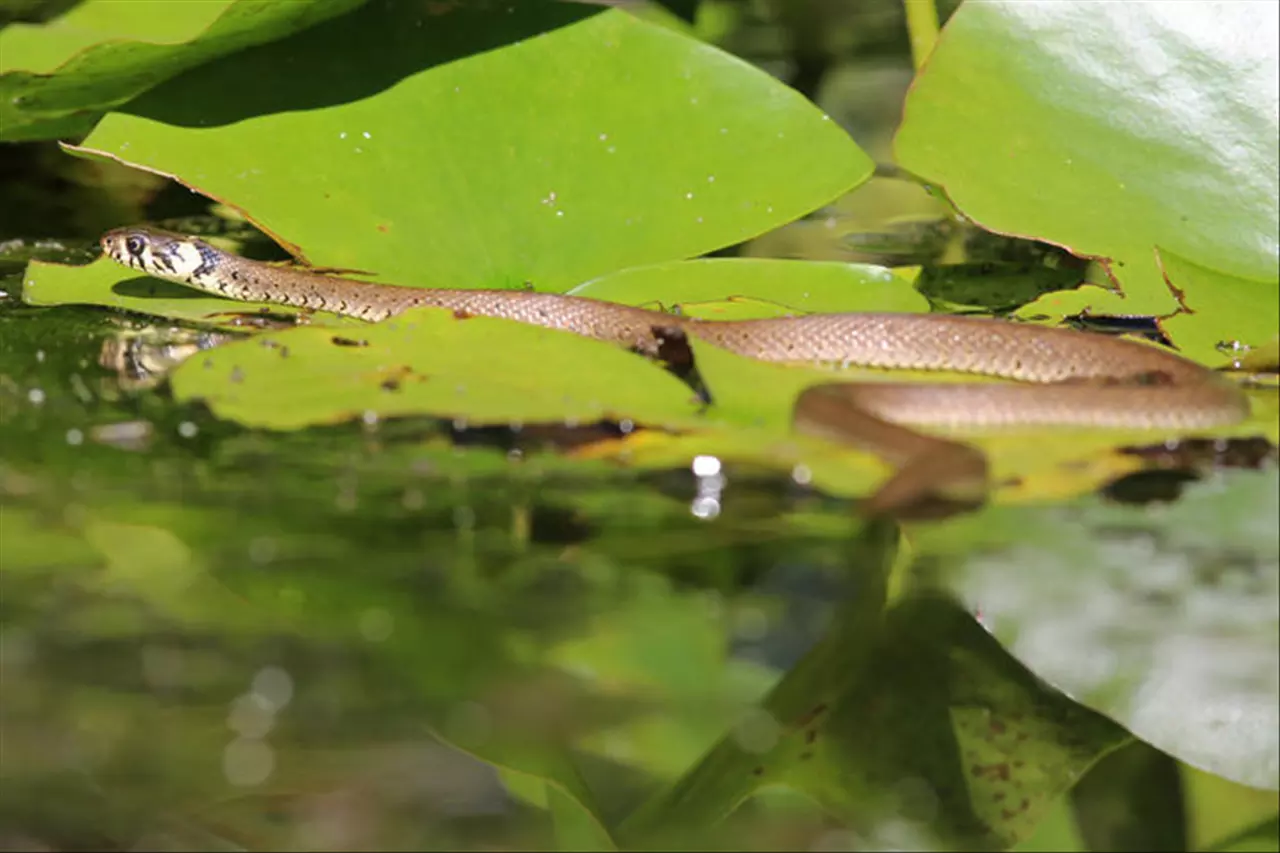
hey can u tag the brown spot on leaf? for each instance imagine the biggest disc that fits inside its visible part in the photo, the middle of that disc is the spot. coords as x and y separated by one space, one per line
998 728
1177 292
348 342
392 378
809 716
999 771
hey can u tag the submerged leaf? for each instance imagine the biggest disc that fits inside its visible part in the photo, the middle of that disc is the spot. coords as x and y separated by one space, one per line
1162 617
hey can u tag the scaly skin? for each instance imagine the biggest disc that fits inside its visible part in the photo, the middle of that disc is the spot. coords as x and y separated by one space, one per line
1076 378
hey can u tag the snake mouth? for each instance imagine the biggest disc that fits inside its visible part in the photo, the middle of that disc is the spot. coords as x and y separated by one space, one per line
124 246
108 245
168 256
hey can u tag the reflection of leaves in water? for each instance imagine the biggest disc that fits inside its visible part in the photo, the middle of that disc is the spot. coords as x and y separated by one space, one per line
419 632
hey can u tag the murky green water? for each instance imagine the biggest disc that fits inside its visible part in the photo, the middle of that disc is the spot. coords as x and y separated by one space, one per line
195 612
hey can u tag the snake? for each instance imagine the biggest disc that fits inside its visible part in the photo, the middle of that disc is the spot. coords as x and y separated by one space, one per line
1061 376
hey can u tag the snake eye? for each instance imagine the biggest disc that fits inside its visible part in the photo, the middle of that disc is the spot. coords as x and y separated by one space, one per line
134 244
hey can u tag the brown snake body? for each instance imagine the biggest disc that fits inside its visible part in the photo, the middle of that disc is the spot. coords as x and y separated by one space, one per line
1065 377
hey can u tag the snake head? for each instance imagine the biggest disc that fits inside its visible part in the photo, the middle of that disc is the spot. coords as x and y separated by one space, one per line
169 256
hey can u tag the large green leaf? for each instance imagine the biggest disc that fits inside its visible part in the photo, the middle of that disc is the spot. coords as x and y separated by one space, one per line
57 78
774 736
1120 130
1224 317
1162 617
1132 800
1263 836
479 370
911 726
100 283
543 143
724 288
951 738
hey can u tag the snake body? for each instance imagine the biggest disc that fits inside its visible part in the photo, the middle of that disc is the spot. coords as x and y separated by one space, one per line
1066 377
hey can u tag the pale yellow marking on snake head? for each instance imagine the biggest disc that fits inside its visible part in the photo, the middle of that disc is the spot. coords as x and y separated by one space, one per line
172 257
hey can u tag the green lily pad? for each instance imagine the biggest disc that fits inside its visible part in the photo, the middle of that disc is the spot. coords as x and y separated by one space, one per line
100 283
774 733
1220 319
758 287
1263 836
58 78
949 737
1123 131
487 146
847 723
1133 800
1162 617
427 361
1225 315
